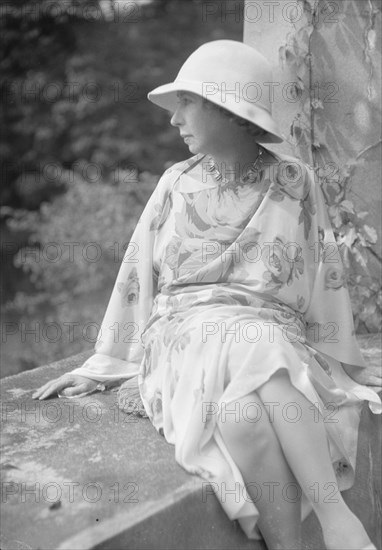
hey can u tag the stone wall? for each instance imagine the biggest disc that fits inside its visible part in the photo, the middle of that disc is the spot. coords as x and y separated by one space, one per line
81 474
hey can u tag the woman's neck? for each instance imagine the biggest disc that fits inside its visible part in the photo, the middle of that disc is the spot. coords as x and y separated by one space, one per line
234 162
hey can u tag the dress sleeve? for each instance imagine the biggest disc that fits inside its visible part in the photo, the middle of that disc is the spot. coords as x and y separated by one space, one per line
329 318
118 350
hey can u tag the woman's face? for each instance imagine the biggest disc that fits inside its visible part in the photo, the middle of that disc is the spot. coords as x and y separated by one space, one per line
204 129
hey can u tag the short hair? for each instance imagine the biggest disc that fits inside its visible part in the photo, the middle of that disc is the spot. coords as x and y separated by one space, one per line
251 128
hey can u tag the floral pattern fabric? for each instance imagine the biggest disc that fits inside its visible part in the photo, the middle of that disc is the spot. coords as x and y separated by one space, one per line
221 287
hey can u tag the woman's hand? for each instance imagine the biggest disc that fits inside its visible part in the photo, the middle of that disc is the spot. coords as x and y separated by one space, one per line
369 376
68 385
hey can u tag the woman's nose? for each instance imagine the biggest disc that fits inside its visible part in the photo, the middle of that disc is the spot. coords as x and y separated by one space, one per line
176 119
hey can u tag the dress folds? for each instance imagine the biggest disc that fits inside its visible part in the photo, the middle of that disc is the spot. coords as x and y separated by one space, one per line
220 287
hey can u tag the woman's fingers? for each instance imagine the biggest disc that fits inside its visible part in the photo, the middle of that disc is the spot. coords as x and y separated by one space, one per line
52 387
39 391
75 390
66 385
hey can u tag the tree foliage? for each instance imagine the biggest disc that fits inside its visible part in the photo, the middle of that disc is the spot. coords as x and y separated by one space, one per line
82 151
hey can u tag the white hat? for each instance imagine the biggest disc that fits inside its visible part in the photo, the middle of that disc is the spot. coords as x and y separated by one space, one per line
230 74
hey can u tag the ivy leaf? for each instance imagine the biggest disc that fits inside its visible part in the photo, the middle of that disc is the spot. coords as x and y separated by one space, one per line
335 215
348 169
347 206
350 237
363 215
317 104
371 234
359 258
369 308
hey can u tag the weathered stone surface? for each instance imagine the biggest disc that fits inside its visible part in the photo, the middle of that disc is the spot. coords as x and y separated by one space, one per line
73 452
80 474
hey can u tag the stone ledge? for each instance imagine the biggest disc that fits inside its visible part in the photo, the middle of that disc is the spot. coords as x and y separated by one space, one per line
105 480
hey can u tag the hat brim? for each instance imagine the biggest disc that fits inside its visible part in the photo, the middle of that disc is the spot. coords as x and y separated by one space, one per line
165 96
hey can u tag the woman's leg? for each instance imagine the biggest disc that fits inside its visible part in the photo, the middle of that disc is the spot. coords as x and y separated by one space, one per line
254 447
305 446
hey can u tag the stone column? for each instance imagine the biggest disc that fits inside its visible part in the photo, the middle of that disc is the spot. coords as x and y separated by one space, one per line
327 99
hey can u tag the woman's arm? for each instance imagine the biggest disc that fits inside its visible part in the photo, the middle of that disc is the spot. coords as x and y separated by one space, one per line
119 351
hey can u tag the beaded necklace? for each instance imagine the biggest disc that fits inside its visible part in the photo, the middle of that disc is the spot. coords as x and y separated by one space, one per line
251 176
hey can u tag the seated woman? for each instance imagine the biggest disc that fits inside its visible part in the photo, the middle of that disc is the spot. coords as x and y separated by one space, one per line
231 307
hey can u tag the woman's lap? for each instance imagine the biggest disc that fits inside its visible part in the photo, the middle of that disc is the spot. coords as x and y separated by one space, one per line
200 363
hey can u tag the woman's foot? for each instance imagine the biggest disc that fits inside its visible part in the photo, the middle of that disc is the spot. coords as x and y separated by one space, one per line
129 398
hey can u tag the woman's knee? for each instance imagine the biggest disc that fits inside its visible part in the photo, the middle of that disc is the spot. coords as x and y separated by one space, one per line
245 420
278 385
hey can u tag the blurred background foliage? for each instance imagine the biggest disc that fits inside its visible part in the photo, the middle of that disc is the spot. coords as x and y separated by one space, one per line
81 151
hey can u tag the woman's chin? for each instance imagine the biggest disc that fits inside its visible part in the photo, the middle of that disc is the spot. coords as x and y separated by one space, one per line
193 148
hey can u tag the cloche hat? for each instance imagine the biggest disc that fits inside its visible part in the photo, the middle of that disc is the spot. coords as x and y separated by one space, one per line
230 74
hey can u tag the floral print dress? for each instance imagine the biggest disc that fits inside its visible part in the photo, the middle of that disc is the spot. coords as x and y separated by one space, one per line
220 287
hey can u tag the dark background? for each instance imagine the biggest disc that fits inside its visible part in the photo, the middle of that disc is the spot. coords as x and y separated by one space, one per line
81 151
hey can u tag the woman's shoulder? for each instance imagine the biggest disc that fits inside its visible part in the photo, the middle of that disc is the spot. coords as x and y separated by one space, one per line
183 165
283 160
172 174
